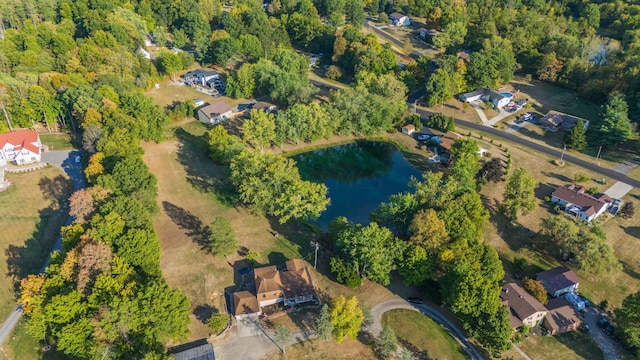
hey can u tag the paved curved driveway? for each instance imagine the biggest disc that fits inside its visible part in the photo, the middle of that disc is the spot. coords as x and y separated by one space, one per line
378 310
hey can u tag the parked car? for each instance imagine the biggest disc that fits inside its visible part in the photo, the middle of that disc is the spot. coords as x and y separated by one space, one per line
609 329
602 323
423 137
519 121
78 159
527 116
414 300
584 327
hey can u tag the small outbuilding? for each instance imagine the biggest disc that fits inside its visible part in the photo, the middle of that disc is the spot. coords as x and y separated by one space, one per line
408 129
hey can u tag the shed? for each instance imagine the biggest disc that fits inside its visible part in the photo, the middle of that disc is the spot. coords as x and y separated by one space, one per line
408 129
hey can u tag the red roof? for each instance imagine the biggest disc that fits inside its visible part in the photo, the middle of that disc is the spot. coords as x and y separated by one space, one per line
21 138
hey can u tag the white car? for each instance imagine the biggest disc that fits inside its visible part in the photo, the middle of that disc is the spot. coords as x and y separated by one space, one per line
423 137
78 159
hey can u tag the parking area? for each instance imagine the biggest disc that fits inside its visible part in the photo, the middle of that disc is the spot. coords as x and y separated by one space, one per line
618 190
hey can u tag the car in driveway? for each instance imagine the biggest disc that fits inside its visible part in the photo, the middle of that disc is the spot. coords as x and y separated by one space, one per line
423 137
519 121
414 300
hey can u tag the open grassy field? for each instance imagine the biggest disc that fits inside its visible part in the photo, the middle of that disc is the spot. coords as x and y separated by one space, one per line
30 219
22 346
171 92
57 141
569 346
423 336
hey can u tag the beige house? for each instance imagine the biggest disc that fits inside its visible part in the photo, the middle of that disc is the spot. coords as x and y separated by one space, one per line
290 286
524 309
215 113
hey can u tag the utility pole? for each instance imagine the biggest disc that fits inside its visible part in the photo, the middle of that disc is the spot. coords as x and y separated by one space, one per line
598 156
563 150
315 261
415 106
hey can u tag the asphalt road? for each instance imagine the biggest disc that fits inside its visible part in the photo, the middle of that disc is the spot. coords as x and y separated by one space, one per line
429 311
543 149
65 160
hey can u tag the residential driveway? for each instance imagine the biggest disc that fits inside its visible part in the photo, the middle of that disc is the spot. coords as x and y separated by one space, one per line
625 167
618 190
65 159
483 117
376 326
607 345
496 119
245 340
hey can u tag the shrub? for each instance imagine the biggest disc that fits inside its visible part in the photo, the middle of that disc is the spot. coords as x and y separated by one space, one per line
593 190
580 178
217 322
558 162
383 18
333 73
344 274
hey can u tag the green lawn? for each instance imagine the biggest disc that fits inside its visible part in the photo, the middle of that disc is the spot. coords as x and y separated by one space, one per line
423 336
57 141
568 346
30 219
22 346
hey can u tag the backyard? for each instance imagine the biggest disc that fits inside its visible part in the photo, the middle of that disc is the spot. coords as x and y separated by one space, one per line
568 346
423 336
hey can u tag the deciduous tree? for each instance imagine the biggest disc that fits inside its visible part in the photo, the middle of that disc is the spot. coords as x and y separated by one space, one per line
519 194
346 318
536 289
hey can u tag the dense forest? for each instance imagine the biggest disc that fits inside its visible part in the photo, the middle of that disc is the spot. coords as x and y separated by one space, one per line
75 65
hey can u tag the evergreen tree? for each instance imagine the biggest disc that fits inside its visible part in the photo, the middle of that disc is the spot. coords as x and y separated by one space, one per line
387 343
222 238
576 138
613 127
324 327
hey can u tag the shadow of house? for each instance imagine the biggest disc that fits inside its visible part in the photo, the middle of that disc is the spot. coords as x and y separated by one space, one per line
195 229
632 230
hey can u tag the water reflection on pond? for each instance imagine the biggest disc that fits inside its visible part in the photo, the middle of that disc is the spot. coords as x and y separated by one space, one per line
359 175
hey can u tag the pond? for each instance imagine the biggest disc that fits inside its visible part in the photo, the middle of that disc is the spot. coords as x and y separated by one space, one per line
359 176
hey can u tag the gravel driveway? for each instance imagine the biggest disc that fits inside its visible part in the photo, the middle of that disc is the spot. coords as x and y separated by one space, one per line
605 343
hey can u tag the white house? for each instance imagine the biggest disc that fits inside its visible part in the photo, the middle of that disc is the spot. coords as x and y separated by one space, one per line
577 202
20 147
215 113
559 281
201 77
399 20
498 99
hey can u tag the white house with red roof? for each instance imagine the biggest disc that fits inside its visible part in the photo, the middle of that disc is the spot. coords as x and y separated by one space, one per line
20 147
579 203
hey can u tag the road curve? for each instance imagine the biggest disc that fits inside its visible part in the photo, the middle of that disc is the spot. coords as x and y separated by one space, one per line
376 326
543 149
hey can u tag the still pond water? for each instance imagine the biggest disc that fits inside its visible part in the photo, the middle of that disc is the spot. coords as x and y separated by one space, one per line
359 176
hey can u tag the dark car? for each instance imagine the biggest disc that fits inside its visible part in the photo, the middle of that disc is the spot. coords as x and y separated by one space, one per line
414 300
609 329
603 323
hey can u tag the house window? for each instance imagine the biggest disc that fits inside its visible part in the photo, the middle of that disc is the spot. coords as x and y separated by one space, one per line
264 296
33 158
21 160
274 294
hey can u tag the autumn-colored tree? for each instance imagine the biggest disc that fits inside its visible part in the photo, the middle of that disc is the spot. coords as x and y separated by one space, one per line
94 258
81 205
346 318
536 289
30 292
95 167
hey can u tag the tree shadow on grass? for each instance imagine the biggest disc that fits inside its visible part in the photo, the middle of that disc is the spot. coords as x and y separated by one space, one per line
202 173
196 230
204 312
29 258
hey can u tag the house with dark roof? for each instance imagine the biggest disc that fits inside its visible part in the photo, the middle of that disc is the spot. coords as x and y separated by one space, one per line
20 147
291 286
561 317
578 202
258 105
201 77
498 99
555 120
524 309
559 281
215 113
399 19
